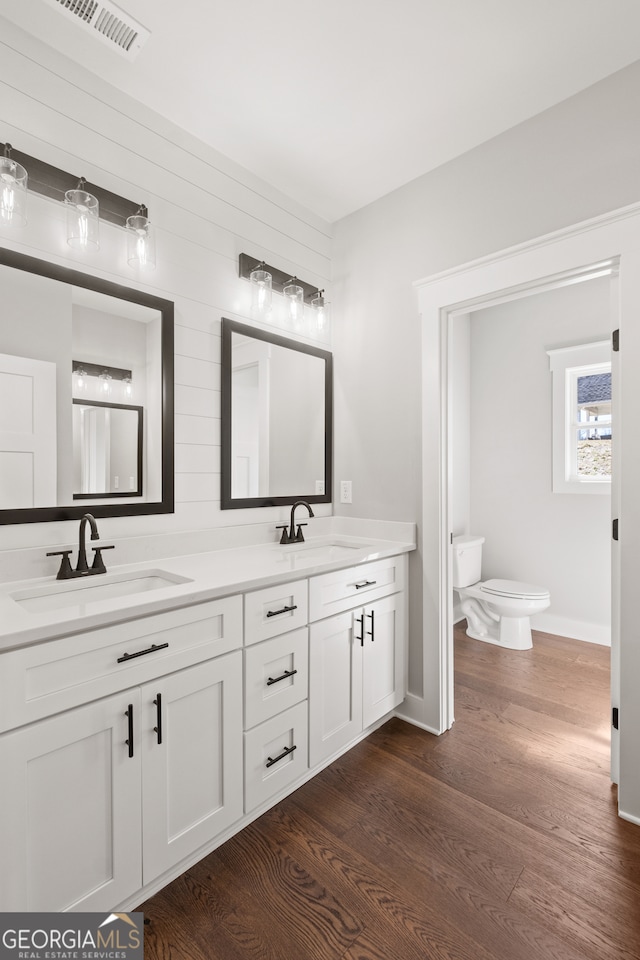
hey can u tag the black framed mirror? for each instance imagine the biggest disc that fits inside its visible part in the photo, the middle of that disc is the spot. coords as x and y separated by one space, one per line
277 419
66 336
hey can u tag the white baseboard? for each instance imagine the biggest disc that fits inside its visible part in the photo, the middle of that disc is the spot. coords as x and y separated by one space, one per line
629 817
417 723
577 629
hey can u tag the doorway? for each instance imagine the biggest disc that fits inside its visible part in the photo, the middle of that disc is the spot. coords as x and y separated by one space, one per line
563 257
500 434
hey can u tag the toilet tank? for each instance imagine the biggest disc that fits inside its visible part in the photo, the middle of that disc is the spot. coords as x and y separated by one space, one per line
467 560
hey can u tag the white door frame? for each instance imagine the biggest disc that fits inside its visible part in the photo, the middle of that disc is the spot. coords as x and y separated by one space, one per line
528 268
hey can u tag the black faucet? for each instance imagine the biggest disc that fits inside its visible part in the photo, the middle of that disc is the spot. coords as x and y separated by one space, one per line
290 536
66 571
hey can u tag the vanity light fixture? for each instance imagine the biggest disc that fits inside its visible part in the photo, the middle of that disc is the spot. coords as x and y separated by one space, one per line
86 203
13 183
261 291
83 217
97 382
279 279
321 311
141 240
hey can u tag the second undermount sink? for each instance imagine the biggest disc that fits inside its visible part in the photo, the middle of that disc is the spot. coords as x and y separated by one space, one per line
311 553
77 593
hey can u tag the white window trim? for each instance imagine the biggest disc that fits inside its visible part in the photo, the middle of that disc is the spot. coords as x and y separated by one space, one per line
561 360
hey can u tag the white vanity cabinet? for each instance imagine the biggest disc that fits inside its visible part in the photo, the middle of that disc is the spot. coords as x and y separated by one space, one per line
357 656
129 751
99 799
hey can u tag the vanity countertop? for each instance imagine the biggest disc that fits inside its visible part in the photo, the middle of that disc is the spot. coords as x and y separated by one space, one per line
36 610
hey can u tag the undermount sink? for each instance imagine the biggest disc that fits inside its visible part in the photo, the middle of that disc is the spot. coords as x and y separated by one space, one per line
76 593
311 553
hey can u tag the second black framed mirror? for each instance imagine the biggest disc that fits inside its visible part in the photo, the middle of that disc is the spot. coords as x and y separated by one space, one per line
277 419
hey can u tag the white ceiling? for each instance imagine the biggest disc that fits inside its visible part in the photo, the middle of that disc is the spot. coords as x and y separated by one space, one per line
338 102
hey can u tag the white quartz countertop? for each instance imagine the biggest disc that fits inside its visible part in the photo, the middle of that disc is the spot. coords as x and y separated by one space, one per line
36 610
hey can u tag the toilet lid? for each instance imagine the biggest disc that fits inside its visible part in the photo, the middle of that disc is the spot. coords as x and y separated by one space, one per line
513 588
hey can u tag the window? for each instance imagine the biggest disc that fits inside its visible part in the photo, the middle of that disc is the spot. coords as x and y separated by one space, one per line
582 418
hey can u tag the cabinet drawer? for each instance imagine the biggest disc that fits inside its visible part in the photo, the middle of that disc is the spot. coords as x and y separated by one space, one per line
342 589
45 678
275 676
275 754
274 610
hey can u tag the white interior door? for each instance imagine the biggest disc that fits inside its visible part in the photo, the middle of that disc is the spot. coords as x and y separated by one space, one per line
27 433
616 475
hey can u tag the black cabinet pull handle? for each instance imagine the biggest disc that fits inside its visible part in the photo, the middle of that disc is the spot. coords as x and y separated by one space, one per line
129 715
285 753
287 673
275 613
371 633
360 620
364 583
158 729
142 653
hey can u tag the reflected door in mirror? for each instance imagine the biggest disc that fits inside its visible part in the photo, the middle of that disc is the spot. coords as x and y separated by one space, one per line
27 432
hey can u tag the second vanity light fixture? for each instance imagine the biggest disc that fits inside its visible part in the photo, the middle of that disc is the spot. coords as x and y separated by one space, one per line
86 205
295 292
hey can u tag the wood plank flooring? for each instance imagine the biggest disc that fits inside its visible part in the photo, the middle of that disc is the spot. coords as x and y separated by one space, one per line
497 841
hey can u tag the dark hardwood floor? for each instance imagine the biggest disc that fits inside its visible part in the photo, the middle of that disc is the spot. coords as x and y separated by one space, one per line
497 841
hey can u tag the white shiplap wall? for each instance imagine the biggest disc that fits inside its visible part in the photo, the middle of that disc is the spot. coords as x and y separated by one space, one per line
206 211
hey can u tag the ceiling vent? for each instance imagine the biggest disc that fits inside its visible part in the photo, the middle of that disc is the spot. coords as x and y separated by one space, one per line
108 22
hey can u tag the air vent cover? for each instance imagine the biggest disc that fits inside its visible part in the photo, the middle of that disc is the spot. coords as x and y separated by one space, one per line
108 22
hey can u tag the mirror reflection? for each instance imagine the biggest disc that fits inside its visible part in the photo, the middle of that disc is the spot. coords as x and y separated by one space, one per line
82 363
107 450
276 419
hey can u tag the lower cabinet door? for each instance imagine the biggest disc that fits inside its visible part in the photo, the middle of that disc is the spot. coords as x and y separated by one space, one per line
383 685
275 754
70 809
192 761
335 684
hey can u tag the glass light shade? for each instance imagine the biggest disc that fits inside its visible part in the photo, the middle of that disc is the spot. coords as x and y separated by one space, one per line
294 299
80 383
83 219
321 311
127 390
141 242
261 291
13 199
104 389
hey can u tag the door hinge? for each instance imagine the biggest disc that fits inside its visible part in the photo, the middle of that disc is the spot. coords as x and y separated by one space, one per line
614 718
614 529
615 341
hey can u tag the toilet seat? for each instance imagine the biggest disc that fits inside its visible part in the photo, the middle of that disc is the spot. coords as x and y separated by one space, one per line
514 589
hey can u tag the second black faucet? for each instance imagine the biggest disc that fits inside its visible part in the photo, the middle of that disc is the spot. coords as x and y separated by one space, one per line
290 535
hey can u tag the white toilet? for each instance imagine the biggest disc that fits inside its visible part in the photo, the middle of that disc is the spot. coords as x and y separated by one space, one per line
497 611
